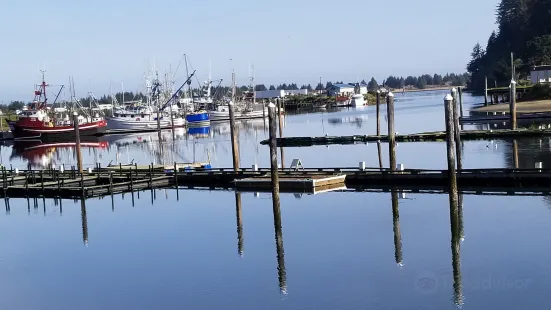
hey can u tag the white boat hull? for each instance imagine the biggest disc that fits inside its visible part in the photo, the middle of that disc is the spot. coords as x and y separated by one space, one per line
139 123
225 115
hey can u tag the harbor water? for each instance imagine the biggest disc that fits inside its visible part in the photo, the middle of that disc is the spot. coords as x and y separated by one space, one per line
201 249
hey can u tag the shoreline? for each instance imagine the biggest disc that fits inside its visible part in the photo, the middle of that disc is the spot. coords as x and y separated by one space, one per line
397 90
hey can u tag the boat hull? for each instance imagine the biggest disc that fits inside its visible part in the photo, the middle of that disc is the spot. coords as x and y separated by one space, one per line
137 123
225 115
198 119
58 133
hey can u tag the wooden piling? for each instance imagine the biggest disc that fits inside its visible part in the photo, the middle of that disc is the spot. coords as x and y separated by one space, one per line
380 155
42 180
460 91
378 112
110 182
77 141
280 117
234 145
239 218
457 130
513 104
515 154
273 152
485 90
391 131
131 180
176 176
396 228
450 143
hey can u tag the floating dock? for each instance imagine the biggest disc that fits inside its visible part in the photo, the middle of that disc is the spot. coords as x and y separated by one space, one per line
437 136
108 181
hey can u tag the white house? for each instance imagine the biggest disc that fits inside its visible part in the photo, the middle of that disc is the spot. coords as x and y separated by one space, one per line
346 89
294 92
540 74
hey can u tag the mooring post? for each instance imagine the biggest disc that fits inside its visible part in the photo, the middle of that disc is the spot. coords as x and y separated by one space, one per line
513 104
42 180
131 179
175 176
378 103
77 141
460 91
457 130
120 169
282 275
391 132
151 175
380 155
234 145
280 117
273 153
450 143
515 154
111 182
485 90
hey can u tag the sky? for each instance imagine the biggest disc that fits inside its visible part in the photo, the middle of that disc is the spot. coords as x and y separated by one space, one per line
111 44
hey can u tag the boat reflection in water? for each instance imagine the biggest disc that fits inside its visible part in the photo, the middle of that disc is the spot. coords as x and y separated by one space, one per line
355 120
39 154
247 126
199 132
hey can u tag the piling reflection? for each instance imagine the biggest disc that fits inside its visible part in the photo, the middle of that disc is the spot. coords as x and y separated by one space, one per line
84 222
239 224
396 227
282 274
456 224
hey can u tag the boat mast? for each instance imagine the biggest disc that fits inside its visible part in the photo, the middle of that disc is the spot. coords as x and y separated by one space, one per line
43 88
233 86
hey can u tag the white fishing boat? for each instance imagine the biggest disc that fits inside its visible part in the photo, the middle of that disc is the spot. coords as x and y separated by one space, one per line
357 100
142 118
222 112
244 108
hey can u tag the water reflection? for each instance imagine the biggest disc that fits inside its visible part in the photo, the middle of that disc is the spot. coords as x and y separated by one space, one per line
357 121
40 154
239 218
84 219
396 228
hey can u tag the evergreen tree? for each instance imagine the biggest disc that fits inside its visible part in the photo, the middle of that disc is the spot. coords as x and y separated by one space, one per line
372 84
260 87
272 87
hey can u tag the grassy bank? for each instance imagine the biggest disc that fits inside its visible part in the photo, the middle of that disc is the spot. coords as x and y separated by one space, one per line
4 119
537 99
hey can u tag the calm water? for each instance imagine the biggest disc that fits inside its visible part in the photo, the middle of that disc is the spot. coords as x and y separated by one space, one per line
204 250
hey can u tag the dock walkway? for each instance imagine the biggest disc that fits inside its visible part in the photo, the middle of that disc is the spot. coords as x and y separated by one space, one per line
101 182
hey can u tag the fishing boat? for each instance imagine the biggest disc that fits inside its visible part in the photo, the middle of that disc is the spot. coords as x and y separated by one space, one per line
39 122
142 117
357 100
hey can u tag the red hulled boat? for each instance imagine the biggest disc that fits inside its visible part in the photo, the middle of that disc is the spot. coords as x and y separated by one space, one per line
37 122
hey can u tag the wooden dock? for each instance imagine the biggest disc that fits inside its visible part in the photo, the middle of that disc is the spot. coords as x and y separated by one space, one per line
438 136
107 181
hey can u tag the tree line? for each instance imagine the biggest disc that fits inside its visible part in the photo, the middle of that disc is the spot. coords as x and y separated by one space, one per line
524 29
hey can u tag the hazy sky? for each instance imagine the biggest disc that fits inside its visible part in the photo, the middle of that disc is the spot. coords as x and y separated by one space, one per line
287 41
